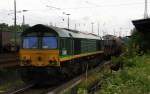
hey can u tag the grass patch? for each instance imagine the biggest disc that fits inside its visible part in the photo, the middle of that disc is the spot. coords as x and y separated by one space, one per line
9 79
133 79
9 85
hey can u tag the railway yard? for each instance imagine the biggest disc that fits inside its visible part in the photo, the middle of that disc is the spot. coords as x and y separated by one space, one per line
62 68
87 71
53 63
84 57
31 69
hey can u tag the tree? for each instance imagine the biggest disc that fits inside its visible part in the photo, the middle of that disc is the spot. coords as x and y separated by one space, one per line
4 27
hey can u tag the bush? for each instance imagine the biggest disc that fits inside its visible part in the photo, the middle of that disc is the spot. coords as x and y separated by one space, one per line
139 42
133 79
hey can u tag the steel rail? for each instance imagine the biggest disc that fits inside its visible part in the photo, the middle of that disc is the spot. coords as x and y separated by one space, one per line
20 90
8 60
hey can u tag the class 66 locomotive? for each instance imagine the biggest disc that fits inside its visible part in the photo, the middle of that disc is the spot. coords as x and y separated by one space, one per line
49 53
50 46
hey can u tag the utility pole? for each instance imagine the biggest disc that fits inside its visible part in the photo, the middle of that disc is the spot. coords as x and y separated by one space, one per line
23 20
92 27
24 16
98 28
75 26
15 22
114 32
120 32
23 23
79 27
68 20
145 12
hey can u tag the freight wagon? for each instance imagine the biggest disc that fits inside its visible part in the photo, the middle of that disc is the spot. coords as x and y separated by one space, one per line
7 41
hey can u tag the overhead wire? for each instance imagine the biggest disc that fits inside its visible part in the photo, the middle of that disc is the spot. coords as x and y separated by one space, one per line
99 6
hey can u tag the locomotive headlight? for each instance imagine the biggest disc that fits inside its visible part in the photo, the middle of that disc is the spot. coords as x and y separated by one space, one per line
25 60
52 61
26 57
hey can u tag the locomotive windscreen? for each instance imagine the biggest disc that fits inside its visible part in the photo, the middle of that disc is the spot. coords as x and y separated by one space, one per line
49 42
40 40
30 42
45 42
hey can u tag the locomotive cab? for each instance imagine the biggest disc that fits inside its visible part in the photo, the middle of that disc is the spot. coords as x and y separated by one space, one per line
39 47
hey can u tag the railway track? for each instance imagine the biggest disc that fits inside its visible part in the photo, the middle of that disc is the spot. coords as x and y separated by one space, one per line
74 82
36 90
20 89
70 84
31 89
8 60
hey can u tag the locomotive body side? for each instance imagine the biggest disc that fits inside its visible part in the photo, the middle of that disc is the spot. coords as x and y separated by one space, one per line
69 46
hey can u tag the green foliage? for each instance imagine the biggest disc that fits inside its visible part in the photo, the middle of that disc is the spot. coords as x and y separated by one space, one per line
19 28
139 42
91 79
130 80
4 27
9 78
135 76
9 85
133 44
118 60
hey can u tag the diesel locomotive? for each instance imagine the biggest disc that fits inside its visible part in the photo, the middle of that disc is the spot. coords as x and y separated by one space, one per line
54 54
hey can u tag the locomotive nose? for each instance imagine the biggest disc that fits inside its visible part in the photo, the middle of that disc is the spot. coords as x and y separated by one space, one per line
39 58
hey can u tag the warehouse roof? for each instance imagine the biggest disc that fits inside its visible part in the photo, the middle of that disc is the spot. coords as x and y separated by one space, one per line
142 25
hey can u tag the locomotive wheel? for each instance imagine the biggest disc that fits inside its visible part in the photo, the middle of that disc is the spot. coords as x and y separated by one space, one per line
25 76
71 69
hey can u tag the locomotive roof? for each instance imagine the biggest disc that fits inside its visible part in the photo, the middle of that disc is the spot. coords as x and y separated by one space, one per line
62 32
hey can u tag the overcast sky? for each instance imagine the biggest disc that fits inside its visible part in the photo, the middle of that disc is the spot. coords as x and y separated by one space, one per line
113 16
